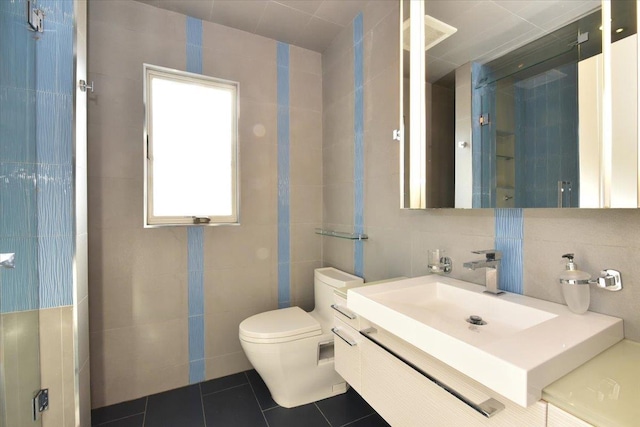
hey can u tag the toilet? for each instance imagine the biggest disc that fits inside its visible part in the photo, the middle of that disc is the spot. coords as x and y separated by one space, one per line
292 349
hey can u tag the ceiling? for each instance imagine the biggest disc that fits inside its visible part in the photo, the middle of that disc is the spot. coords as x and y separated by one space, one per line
311 24
486 29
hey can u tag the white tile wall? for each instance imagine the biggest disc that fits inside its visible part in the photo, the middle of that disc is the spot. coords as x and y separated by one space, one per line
138 277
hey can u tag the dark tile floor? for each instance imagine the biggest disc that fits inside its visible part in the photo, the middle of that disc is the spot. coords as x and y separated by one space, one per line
239 400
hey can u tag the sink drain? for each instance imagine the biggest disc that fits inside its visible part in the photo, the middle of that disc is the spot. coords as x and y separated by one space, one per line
476 320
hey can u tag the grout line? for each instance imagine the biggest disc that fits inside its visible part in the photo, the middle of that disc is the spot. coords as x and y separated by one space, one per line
220 391
322 413
146 404
62 370
204 416
256 397
270 408
358 419
117 419
261 408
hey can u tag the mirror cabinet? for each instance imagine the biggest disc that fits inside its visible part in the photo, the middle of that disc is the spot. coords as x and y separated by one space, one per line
519 104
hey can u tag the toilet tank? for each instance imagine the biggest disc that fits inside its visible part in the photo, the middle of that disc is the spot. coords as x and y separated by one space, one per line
325 281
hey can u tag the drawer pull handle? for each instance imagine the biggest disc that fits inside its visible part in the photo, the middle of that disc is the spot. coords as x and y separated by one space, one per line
343 338
345 313
488 408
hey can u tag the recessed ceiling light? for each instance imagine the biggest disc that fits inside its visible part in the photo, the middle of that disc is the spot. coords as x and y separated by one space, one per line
619 30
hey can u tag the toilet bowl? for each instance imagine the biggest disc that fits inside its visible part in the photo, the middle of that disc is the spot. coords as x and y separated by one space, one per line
292 350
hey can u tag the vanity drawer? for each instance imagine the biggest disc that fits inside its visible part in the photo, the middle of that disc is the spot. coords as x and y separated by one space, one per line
341 312
406 397
347 353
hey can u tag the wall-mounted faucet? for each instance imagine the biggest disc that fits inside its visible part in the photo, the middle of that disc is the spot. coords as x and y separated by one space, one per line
8 260
492 265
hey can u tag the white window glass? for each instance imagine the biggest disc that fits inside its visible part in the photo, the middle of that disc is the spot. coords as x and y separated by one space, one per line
191 150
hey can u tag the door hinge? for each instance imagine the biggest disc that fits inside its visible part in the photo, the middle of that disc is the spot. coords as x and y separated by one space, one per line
35 17
40 403
484 119
582 37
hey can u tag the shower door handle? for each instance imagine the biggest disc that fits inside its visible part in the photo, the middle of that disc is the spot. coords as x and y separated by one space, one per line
8 260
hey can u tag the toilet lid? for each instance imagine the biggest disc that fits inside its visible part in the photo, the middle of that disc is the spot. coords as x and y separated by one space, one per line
292 322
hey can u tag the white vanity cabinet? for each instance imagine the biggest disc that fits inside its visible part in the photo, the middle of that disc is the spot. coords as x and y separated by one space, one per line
347 343
403 396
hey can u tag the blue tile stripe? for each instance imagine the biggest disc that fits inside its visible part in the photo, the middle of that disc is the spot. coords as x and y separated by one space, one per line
196 349
195 261
194 45
195 238
284 227
509 237
358 125
476 149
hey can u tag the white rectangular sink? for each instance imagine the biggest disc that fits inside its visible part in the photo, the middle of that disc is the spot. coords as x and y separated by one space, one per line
525 345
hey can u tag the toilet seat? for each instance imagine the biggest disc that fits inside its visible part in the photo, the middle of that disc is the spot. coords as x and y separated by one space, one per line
276 326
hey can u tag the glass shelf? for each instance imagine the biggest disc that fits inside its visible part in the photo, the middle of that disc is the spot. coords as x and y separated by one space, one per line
341 234
504 133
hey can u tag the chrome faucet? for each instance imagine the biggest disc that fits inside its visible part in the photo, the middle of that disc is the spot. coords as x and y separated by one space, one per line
8 260
492 265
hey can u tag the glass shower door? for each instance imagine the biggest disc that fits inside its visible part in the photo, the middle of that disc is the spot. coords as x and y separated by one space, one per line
19 293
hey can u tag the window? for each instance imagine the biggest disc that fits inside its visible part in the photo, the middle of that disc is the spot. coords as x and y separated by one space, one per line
190 148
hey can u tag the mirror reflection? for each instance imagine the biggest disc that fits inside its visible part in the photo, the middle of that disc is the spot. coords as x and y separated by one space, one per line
513 104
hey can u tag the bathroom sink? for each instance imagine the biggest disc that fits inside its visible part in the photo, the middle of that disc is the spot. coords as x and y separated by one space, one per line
522 345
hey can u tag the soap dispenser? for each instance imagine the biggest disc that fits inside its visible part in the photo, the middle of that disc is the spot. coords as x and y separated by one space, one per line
575 286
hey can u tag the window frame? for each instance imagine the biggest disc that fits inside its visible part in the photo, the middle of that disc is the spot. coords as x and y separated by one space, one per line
152 221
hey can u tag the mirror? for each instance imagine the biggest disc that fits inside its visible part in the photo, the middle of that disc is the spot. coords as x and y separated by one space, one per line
521 106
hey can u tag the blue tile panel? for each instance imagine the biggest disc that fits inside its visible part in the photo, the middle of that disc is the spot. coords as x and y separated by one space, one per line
18 162
509 237
194 45
54 139
547 138
55 234
358 130
195 238
19 291
284 227
36 188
